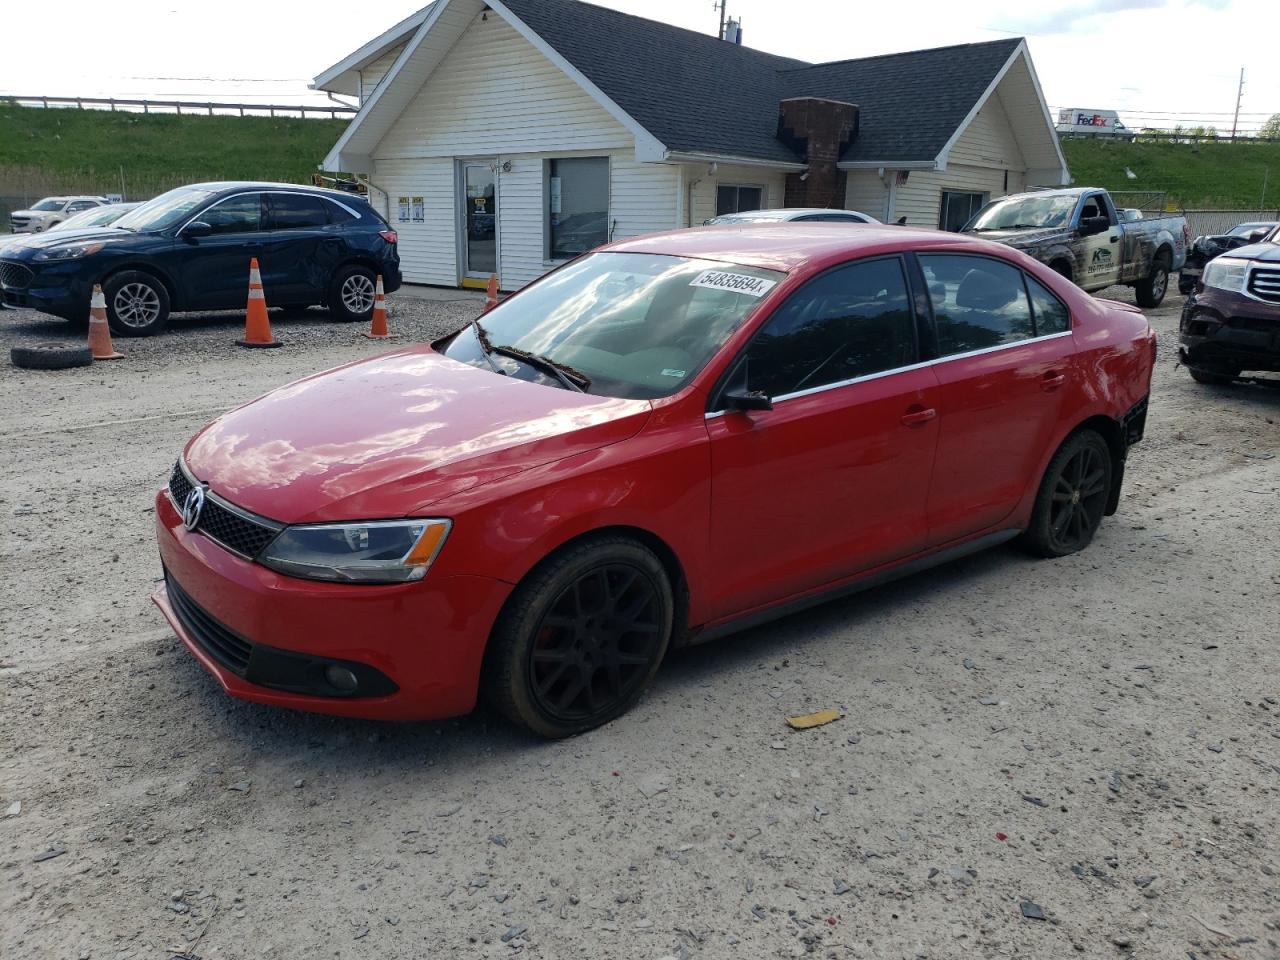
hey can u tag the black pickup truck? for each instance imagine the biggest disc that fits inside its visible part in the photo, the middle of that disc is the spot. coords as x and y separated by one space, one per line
1080 233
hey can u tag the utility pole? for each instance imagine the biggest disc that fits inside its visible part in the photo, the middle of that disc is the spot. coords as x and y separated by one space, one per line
1239 96
722 5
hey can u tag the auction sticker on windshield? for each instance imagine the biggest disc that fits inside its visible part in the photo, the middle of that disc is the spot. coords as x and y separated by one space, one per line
737 282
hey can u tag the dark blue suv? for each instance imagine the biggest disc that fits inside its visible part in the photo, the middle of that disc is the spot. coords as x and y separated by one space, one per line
189 249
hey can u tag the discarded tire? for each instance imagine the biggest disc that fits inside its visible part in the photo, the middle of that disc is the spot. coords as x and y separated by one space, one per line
51 356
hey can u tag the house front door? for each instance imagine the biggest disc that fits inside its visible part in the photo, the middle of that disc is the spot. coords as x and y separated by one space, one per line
479 216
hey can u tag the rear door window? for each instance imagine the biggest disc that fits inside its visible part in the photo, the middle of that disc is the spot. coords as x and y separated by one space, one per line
978 302
241 214
852 321
295 211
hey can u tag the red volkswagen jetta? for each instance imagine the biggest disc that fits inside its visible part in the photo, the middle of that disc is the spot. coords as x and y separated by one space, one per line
661 442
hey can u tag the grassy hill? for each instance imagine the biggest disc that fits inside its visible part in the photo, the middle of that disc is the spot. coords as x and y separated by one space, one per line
54 150
1195 175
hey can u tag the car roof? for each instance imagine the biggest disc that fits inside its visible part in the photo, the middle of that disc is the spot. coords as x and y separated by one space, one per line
791 246
239 185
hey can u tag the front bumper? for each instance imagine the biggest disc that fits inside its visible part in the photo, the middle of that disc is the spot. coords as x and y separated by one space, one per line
1220 330
425 639
57 287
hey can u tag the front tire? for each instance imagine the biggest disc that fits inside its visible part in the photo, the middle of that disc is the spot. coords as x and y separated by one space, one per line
351 294
1073 497
1150 291
581 637
137 304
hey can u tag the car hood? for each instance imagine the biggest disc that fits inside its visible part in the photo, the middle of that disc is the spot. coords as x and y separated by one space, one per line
1017 238
58 238
1265 252
386 437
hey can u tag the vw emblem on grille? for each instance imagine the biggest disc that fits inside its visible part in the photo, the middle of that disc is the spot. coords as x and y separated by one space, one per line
192 507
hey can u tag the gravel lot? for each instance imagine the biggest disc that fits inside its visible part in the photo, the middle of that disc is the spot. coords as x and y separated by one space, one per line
1037 759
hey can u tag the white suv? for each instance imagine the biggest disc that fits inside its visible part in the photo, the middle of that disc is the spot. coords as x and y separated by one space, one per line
49 211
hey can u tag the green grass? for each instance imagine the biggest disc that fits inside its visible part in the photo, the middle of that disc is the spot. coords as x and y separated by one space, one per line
86 149
1194 175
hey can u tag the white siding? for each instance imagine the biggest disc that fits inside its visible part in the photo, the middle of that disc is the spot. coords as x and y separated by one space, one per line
704 190
495 94
920 198
867 193
988 141
428 251
372 75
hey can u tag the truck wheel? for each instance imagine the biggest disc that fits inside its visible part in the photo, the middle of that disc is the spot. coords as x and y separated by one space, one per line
1062 268
1150 291
137 304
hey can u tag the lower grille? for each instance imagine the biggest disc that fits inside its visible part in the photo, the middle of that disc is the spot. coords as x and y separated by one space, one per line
228 648
237 533
15 275
1265 284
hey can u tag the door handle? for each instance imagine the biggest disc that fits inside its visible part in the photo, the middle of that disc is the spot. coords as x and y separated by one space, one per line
918 416
1052 380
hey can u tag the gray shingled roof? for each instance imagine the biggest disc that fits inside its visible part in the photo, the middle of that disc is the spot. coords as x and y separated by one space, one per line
698 94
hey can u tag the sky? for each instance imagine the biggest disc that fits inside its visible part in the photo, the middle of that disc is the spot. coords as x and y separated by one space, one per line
1158 62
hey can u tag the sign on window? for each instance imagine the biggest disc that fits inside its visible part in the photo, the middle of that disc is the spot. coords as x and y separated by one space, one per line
419 210
404 209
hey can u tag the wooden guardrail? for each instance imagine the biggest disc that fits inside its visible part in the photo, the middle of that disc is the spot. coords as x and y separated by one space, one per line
191 106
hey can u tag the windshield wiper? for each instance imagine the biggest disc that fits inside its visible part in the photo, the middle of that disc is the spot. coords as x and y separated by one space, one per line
571 378
486 347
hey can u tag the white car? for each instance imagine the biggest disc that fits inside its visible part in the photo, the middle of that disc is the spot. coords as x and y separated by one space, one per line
49 211
794 214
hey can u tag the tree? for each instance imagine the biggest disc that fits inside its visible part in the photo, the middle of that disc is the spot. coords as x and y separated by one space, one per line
1271 129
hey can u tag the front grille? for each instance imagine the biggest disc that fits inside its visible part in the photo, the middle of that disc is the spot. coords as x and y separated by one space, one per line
15 275
227 647
237 533
1264 283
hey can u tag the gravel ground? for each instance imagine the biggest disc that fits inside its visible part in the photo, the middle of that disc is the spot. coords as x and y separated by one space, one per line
1036 759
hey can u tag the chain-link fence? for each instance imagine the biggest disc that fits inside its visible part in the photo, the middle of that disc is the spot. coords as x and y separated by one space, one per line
1204 222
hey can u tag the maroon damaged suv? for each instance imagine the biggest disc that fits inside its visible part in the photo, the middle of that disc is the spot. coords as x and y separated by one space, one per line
1232 321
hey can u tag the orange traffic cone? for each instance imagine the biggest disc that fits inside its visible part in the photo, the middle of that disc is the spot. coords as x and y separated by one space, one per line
378 329
257 328
491 294
99 332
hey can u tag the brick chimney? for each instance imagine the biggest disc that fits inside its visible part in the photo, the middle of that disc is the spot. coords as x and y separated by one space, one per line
819 130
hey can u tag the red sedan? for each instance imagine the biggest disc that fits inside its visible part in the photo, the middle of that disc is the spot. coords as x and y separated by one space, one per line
661 442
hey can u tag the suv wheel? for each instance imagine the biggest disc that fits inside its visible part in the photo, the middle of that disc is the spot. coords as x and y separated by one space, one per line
137 304
1073 496
351 294
580 637
1217 377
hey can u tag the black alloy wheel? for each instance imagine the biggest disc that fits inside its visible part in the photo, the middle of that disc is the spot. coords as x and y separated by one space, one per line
580 637
595 644
1073 496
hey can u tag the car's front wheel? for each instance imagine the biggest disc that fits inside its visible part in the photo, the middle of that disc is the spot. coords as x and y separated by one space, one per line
581 637
1072 498
137 304
351 293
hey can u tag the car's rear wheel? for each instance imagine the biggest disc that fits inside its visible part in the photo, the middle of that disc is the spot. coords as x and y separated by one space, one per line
351 293
1218 377
581 637
1150 291
137 304
1072 498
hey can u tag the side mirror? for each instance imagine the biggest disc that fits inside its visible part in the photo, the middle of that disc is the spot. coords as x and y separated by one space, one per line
742 401
1091 225
196 229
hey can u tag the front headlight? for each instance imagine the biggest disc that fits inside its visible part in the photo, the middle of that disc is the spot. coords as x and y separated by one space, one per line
69 251
381 551
1225 273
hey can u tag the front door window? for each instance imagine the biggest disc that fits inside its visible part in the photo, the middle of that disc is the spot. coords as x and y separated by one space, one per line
481 216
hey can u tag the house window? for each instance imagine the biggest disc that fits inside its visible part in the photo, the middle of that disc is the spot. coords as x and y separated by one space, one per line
731 198
958 209
577 205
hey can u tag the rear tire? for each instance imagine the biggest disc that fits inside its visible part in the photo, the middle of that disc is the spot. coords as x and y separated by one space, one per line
351 294
1150 291
1062 268
1216 378
1072 498
137 304
580 638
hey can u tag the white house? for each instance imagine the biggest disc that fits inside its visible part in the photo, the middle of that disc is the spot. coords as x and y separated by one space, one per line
504 136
